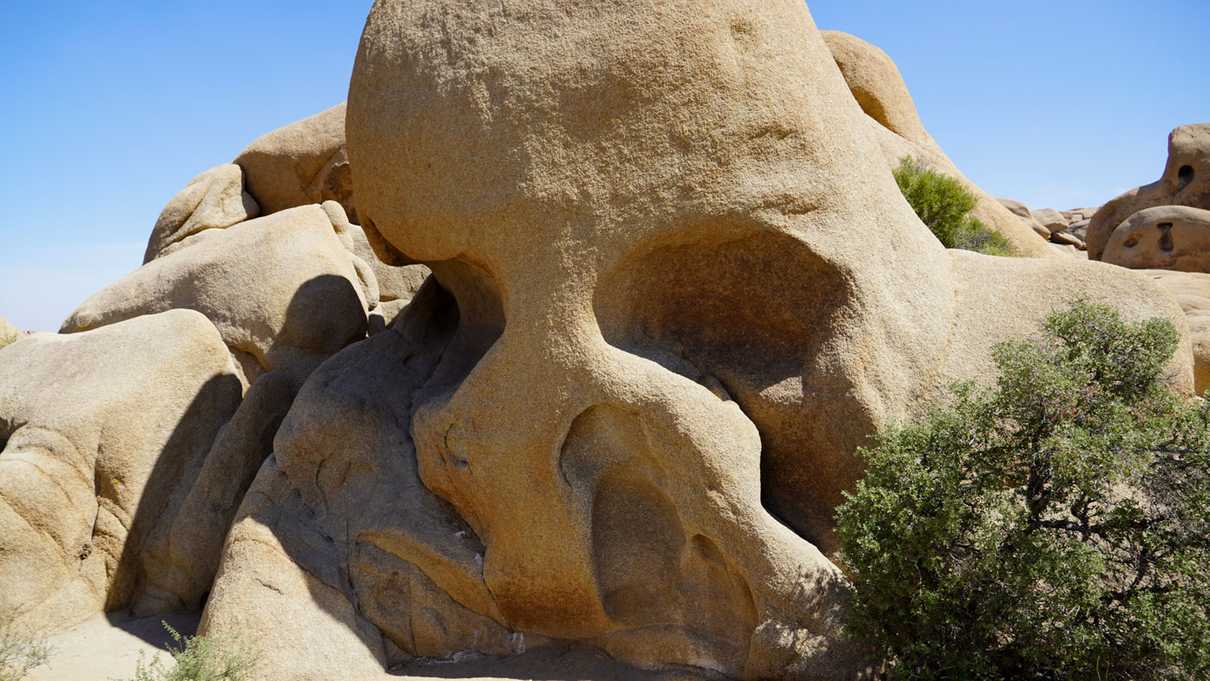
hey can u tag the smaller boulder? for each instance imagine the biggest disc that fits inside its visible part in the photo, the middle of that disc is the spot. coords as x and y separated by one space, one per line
213 200
1079 229
1022 211
1185 182
1067 240
1050 219
300 164
1164 237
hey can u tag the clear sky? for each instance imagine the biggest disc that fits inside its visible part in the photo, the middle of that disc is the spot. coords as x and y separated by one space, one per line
113 106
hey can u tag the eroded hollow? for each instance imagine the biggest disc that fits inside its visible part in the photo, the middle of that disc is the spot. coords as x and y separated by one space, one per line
474 310
1183 177
756 314
1165 235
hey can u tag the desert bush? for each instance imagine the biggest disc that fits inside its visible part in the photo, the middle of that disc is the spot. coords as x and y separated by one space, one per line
20 653
944 205
1055 525
200 658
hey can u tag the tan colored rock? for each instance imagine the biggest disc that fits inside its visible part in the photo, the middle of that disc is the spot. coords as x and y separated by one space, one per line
1164 237
302 163
281 289
1022 211
1068 240
1192 291
1079 229
1185 182
674 288
876 84
396 283
103 435
1050 219
213 200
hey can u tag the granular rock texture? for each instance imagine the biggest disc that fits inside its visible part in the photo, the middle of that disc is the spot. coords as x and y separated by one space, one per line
281 289
1164 237
674 287
213 200
300 164
102 436
1185 182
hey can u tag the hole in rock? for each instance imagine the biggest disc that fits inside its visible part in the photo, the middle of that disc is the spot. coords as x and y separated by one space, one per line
755 313
1183 177
1165 236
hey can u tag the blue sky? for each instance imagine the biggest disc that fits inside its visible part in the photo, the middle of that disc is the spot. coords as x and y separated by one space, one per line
113 106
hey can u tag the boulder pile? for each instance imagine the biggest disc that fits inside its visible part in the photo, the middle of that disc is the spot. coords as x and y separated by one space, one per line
536 343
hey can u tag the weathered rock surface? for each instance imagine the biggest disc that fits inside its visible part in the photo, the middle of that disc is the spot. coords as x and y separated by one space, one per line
213 200
575 430
1192 291
302 163
281 289
103 435
878 87
1185 182
1022 211
1050 218
397 284
1164 237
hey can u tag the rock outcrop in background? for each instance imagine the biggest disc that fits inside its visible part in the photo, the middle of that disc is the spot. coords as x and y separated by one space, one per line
536 343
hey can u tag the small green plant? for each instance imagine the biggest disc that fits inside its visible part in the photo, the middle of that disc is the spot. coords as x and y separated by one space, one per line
20 653
944 205
1053 526
199 658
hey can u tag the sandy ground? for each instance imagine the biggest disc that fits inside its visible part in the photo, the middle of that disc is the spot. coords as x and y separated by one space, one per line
107 648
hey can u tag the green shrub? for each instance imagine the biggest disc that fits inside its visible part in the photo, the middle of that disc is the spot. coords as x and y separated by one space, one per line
944 205
1053 526
200 658
20 653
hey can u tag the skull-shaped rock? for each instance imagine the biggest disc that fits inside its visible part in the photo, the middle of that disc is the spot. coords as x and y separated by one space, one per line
686 290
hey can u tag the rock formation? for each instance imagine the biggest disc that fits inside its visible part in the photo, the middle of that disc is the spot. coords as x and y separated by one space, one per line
605 280
1164 237
104 438
1185 182
892 121
302 163
213 200
281 289
674 287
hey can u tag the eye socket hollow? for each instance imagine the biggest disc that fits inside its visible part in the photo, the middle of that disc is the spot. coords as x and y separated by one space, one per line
1183 177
